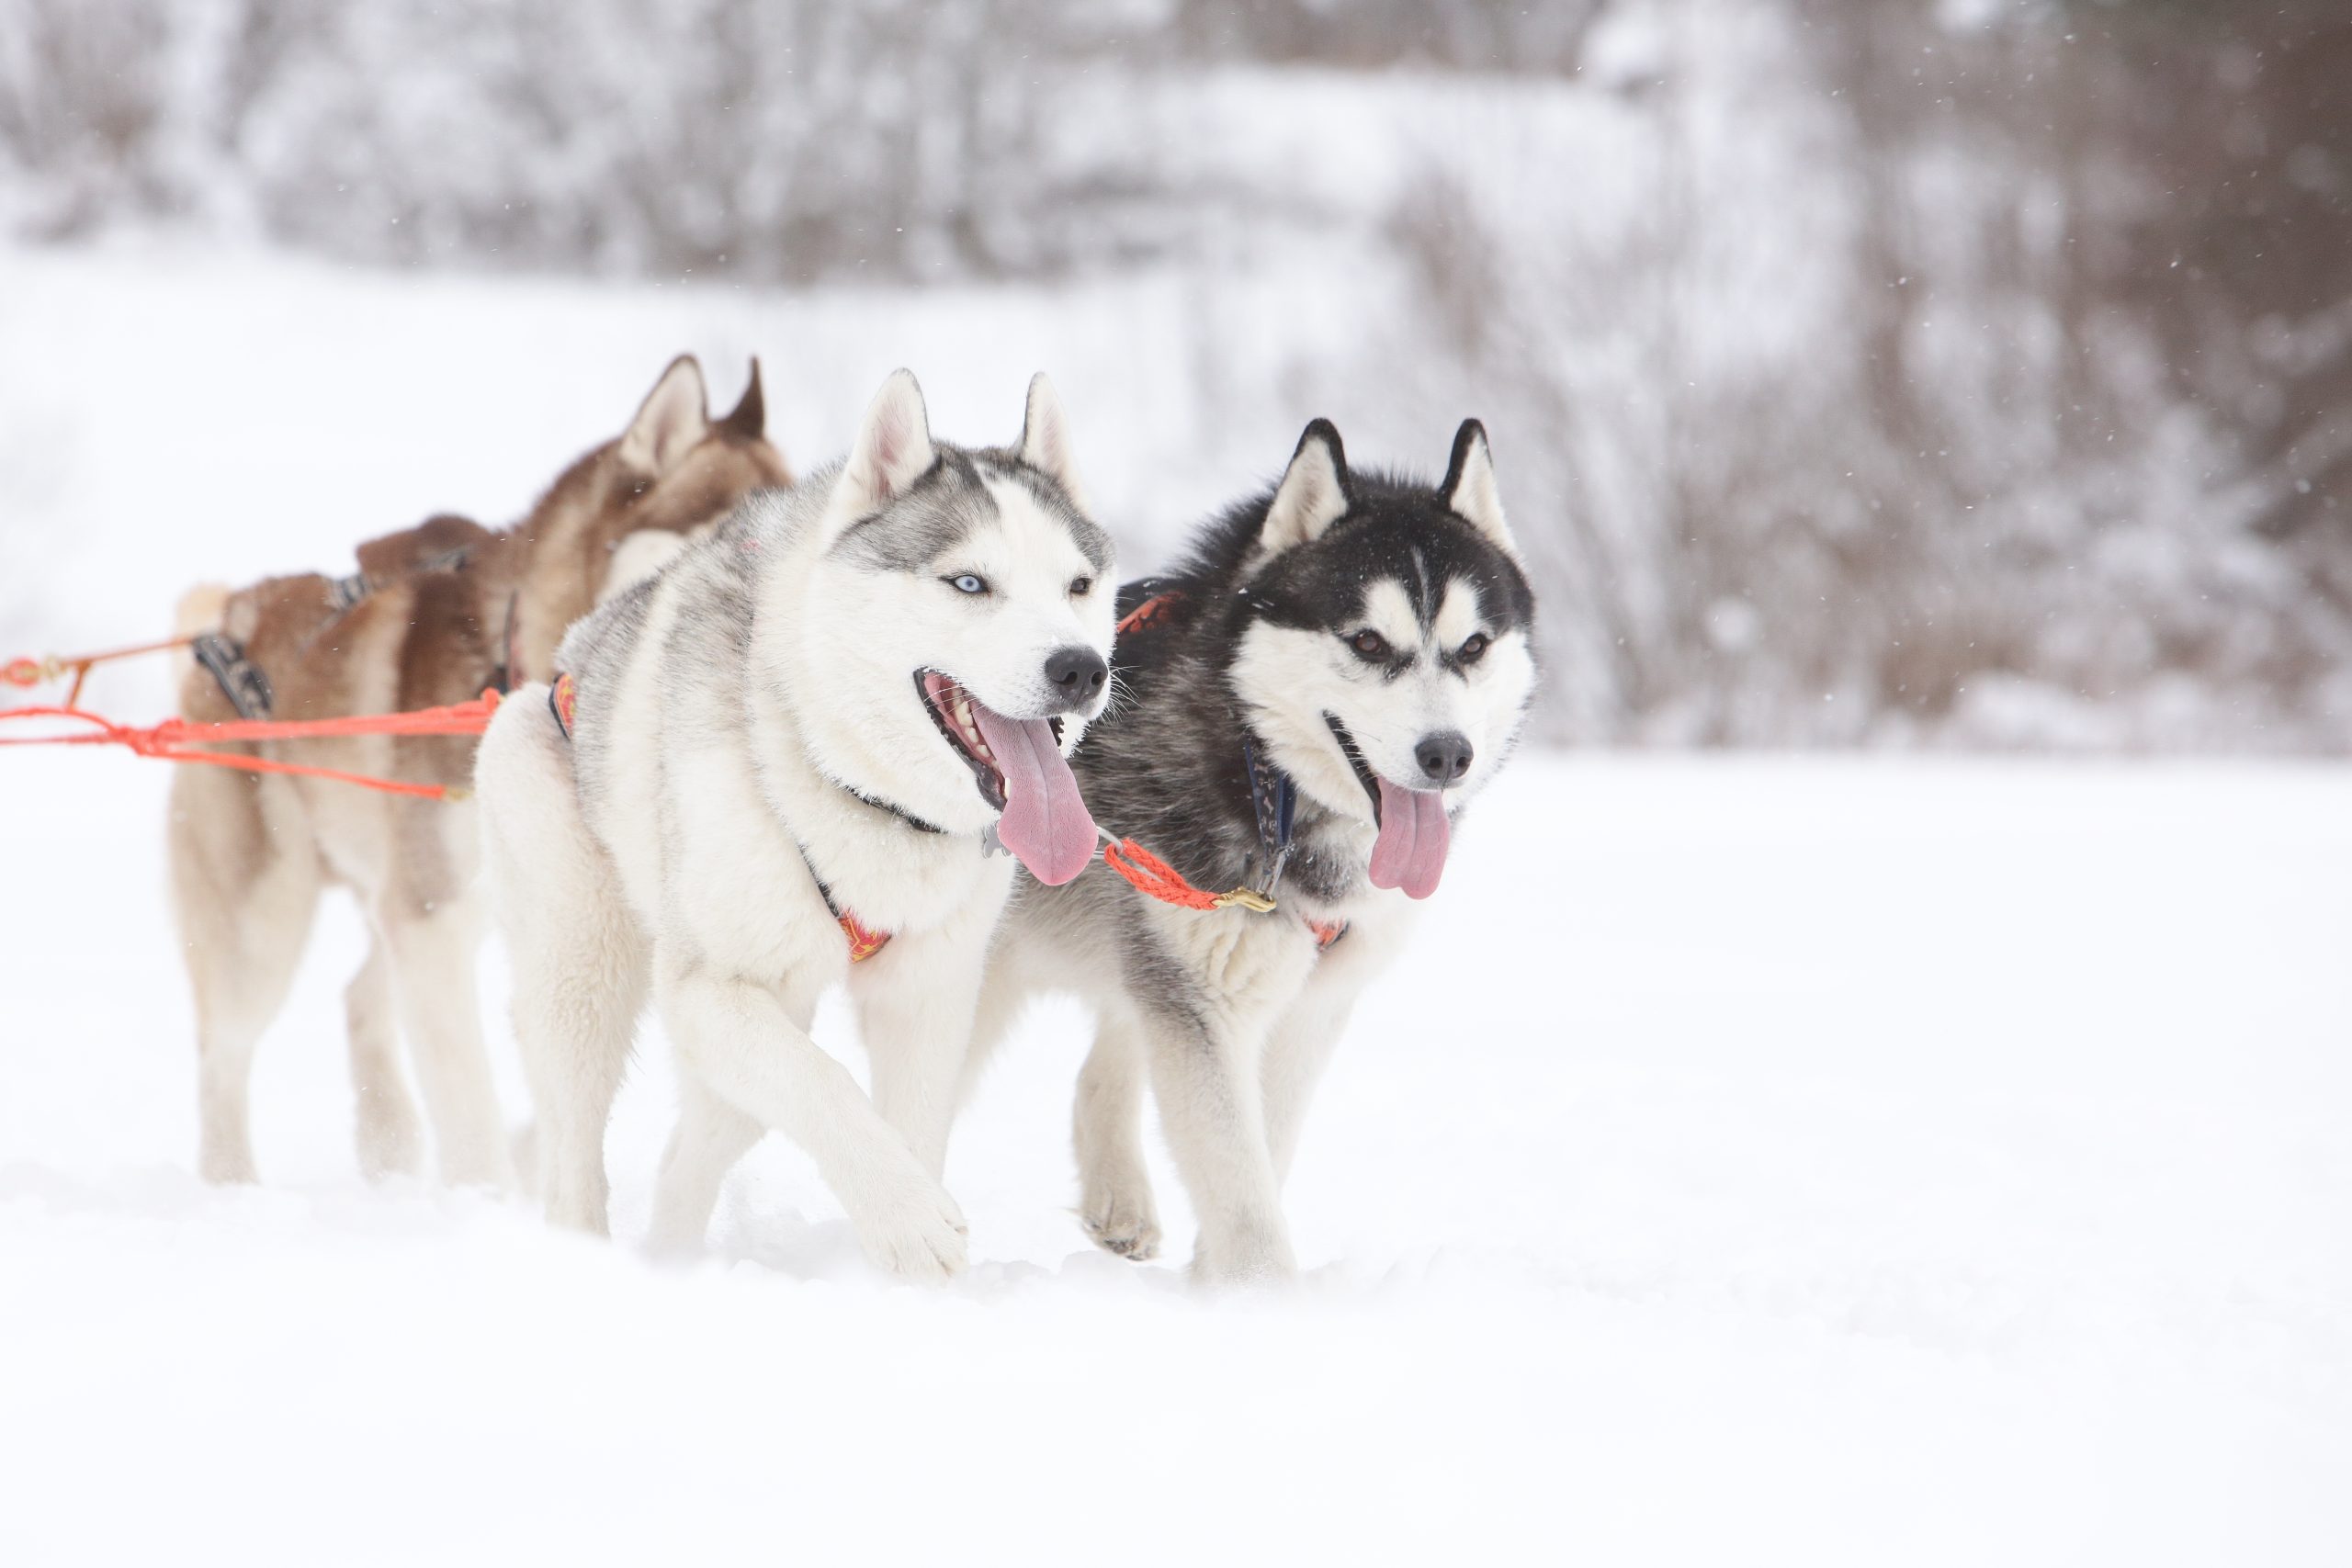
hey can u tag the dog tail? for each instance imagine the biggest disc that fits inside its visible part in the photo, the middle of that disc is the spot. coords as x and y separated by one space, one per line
200 609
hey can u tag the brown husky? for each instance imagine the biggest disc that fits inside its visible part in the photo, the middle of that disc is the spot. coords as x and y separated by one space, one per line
433 615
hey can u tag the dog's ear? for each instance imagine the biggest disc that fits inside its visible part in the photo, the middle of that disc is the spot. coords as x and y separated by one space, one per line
1314 492
674 416
892 450
1469 486
1045 438
749 418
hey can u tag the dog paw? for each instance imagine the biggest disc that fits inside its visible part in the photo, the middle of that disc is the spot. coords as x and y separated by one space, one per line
389 1144
482 1166
917 1233
1243 1260
1122 1224
224 1166
523 1150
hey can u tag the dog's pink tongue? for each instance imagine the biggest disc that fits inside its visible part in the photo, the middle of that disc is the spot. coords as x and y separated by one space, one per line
1411 851
1044 822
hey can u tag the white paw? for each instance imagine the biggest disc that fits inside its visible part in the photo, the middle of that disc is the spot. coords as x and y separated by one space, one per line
480 1162
577 1206
1121 1220
1243 1257
915 1231
390 1142
523 1148
226 1165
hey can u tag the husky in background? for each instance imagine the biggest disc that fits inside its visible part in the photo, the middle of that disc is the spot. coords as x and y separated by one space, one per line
1344 664
789 760
433 616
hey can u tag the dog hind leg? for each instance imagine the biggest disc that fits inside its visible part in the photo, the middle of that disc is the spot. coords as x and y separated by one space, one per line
390 1138
578 962
1297 1049
432 951
244 905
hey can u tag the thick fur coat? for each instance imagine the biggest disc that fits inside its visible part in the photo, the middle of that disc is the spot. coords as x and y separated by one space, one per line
1366 634
433 614
797 739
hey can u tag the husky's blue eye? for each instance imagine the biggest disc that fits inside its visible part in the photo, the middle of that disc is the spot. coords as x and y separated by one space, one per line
1082 586
968 582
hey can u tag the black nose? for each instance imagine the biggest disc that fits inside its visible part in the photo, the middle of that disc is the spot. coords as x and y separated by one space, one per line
1444 757
1076 674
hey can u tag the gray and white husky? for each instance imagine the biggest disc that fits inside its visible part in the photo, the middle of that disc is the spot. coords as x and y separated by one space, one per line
1342 665
786 759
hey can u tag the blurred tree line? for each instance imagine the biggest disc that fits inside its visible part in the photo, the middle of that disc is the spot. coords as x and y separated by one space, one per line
2042 436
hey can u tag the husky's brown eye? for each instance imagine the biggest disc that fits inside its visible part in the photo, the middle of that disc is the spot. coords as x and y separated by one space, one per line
1082 586
1472 648
1370 644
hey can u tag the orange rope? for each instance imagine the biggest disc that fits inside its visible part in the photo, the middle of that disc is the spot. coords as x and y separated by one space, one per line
169 740
1150 874
34 671
1147 873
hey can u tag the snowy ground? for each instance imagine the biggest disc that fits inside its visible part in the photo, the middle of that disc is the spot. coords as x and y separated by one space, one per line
1850 1162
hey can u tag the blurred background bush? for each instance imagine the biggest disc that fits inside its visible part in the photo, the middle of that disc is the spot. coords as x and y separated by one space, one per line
1965 373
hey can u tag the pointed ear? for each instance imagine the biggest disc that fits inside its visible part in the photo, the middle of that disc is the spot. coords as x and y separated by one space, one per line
673 417
892 450
749 418
1470 490
1045 438
1314 492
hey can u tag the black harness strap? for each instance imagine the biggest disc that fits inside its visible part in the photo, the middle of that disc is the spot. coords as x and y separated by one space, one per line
240 680
900 812
502 675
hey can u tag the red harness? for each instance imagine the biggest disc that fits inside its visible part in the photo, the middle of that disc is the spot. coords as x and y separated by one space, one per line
1152 614
864 941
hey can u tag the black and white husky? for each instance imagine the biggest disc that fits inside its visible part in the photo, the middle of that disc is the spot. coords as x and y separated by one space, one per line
787 758
1342 665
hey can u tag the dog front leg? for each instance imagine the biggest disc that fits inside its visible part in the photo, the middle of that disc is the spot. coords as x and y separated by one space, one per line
1114 1200
916 999
737 1036
711 1136
1205 1072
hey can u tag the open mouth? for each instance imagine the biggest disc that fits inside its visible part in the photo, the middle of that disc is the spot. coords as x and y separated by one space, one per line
951 708
1019 768
1414 832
